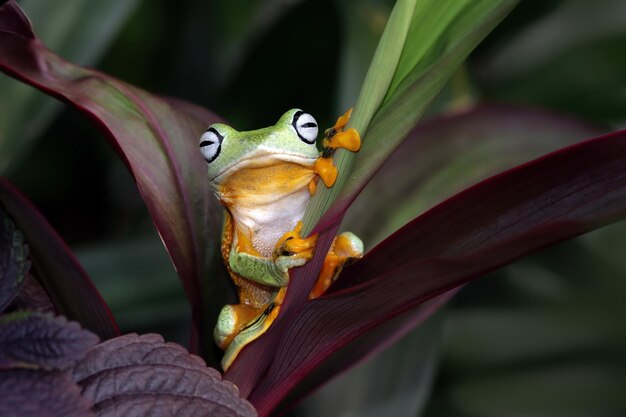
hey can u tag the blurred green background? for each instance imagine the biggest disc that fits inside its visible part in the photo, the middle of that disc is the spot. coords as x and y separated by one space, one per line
543 337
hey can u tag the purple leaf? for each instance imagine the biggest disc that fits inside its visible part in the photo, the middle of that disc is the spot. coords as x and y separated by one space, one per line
29 393
489 225
64 280
13 260
157 139
141 375
42 340
32 297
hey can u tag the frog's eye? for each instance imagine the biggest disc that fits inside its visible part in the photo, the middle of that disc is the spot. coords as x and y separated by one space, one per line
211 144
306 126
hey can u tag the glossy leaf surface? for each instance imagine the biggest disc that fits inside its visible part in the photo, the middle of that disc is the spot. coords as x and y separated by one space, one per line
156 137
64 280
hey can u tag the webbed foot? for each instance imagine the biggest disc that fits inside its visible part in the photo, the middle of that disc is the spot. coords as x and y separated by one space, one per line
345 249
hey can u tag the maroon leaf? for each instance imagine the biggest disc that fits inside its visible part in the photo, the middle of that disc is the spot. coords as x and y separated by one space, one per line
65 281
156 137
13 260
141 375
42 340
451 152
29 393
545 201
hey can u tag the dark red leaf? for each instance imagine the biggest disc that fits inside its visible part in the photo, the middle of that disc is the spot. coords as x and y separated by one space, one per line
65 281
39 339
558 196
156 137
134 376
14 262
29 393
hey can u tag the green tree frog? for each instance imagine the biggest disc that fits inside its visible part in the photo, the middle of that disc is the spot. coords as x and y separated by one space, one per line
265 179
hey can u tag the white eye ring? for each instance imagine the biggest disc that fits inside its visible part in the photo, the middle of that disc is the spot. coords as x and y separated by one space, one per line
306 126
211 144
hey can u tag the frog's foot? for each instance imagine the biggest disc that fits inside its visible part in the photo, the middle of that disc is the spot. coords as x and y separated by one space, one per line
336 137
345 249
253 330
232 319
326 170
292 245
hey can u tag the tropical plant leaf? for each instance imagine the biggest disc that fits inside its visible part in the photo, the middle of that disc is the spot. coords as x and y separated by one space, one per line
30 393
157 139
378 386
558 196
142 375
26 112
39 339
66 283
450 152
423 44
14 262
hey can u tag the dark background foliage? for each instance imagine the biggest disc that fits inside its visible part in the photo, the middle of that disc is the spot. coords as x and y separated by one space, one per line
542 337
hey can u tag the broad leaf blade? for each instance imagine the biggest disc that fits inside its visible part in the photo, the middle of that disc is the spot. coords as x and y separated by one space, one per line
450 152
28 393
80 31
42 340
14 262
558 196
156 137
158 378
64 280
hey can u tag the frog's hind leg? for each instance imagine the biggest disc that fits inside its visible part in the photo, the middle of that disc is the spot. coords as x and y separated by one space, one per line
232 320
345 249
253 330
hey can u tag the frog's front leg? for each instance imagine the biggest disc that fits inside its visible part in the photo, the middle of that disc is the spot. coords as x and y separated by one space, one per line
291 251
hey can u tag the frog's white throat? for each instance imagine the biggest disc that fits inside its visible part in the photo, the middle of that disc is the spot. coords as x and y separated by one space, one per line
265 223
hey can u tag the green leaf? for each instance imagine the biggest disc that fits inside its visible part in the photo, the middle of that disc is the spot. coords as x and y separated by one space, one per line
406 73
79 30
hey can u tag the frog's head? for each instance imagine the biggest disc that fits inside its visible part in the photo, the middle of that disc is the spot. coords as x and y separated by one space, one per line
291 140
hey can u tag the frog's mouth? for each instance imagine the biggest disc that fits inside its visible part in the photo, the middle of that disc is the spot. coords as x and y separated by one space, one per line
264 160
